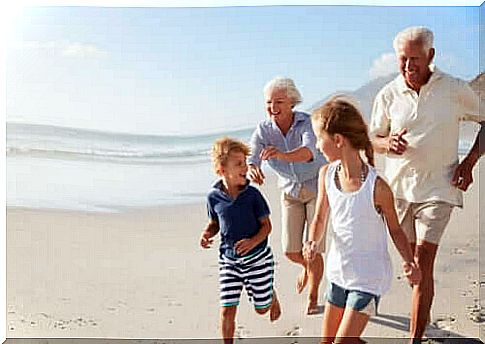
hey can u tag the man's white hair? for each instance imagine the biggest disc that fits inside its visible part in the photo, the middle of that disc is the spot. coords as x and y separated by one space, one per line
414 34
287 84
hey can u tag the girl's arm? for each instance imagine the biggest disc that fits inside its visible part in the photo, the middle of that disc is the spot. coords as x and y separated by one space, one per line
246 245
384 199
318 227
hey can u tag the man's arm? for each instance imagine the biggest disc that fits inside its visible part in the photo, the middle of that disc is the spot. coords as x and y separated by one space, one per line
463 177
393 143
383 140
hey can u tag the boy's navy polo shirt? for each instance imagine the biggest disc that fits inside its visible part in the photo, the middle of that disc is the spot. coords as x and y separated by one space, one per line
238 218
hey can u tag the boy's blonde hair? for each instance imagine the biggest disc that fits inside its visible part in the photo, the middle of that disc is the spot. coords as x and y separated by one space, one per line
222 148
340 116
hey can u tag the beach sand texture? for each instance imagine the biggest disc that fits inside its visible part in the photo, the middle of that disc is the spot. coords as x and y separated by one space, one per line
142 274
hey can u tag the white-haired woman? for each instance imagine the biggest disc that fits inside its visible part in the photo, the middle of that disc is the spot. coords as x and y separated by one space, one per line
287 142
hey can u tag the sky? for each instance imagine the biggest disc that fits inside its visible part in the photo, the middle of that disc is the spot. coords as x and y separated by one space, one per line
197 70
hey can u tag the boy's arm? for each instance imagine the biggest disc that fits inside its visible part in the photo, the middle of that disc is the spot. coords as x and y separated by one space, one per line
210 231
318 226
246 245
384 199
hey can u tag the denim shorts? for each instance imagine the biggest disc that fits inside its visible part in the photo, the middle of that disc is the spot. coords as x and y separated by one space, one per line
355 299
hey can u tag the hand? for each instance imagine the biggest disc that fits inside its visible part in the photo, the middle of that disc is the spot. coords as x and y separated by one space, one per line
462 178
396 144
271 152
205 240
256 174
412 272
244 246
309 250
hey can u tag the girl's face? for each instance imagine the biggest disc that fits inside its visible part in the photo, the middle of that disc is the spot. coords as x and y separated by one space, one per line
329 146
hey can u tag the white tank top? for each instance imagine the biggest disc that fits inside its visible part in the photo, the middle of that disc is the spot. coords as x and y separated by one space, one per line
358 258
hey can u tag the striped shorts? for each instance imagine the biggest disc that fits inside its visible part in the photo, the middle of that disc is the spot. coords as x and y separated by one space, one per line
254 273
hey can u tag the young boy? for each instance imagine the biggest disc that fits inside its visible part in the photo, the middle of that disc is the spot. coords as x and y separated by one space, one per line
241 214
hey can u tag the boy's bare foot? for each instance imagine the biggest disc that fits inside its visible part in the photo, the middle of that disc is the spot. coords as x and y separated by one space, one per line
275 308
301 281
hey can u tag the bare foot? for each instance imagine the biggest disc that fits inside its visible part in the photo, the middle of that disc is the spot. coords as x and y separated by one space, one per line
301 281
312 307
275 309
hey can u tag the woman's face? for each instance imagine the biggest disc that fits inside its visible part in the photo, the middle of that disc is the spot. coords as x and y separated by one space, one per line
278 106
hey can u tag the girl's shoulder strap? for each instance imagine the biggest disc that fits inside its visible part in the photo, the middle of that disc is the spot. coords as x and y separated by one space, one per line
332 166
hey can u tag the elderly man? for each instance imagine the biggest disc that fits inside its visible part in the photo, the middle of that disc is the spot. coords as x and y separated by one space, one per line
415 122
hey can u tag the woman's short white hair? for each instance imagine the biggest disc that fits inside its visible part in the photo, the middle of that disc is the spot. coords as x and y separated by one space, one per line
282 83
412 34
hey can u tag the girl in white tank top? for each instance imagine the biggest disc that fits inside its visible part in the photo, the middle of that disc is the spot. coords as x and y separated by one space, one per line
361 207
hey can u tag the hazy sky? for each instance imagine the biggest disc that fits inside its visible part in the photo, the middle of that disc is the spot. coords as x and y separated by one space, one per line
188 70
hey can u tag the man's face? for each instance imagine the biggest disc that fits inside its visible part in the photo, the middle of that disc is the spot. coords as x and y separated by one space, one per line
414 62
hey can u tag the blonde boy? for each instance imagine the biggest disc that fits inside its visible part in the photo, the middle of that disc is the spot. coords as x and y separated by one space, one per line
241 214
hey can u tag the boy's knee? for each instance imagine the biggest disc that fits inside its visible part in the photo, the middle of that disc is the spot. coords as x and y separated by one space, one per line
262 310
228 313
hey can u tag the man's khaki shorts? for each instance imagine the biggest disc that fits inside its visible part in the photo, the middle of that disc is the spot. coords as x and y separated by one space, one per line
423 221
297 215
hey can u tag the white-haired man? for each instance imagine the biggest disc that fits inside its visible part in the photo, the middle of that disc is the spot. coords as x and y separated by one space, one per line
415 121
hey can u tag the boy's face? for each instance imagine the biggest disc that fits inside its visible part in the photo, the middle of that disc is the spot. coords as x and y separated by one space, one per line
235 169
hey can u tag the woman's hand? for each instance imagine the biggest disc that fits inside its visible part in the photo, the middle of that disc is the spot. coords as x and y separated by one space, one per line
271 152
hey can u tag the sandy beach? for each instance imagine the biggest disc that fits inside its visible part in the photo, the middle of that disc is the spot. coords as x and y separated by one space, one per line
141 274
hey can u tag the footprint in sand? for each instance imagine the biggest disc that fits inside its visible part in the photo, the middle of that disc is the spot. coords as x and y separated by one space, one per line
241 332
73 323
457 250
443 322
476 313
294 332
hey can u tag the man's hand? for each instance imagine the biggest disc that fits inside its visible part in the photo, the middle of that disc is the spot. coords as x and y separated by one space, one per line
462 178
396 143
309 250
412 272
244 246
271 152
256 174
205 240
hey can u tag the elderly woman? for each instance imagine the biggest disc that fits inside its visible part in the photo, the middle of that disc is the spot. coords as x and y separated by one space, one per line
287 142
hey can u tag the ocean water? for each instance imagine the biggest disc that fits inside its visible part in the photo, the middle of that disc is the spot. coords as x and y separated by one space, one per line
66 168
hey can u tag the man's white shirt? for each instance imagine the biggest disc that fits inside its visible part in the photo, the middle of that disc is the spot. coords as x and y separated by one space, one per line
424 172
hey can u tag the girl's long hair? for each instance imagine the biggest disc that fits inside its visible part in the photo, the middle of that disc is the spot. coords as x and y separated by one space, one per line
339 116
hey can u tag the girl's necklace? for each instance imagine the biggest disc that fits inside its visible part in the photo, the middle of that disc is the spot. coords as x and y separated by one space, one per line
337 178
